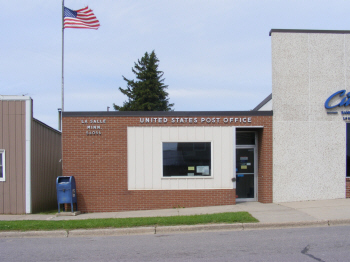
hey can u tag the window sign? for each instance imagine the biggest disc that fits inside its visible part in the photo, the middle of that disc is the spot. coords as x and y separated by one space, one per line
192 159
204 170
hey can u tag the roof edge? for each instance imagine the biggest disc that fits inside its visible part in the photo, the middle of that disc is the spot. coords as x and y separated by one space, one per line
312 31
14 97
47 126
262 103
165 113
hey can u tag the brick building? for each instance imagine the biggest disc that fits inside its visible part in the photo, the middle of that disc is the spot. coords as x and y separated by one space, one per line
294 146
152 160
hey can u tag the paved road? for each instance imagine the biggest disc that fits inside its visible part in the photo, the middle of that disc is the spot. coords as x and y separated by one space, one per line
295 244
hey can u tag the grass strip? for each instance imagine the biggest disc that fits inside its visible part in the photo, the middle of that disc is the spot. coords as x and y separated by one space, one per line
27 225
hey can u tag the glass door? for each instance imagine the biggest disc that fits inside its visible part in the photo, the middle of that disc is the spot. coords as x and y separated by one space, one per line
245 174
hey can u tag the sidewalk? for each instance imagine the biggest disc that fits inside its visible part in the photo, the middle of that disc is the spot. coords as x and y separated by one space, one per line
276 215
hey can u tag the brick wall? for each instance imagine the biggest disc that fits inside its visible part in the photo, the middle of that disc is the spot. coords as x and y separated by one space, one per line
99 165
265 177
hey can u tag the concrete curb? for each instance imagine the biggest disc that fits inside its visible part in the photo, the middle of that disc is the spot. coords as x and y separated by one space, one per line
339 222
19 234
198 228
253 226
172 229
111 232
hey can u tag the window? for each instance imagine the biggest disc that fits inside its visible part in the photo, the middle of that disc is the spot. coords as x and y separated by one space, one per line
2 165
245 138
190 159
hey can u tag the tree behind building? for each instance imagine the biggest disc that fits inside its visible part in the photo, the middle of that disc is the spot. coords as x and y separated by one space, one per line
147 92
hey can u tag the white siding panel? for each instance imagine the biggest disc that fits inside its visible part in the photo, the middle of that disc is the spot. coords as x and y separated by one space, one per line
183 133
191 134
165 133
165 183
174 183
183 183
200 133
217 161
209 183
199 183
191 183
157 154
145 151
139 160
173 134
227 156
148 148
205 134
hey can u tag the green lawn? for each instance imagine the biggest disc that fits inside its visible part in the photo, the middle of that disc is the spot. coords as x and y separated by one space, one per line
25 225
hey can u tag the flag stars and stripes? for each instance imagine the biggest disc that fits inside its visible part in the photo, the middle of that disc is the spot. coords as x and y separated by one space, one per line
69 13
82 18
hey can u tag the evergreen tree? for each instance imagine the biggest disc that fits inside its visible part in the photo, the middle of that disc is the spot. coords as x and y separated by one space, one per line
147 92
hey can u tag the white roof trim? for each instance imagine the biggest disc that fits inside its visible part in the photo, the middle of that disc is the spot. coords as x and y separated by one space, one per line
3 97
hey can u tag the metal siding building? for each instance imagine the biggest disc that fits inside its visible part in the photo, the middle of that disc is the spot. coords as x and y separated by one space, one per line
31 153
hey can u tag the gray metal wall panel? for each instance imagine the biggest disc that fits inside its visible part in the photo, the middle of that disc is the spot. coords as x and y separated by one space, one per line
20 154
46 153
12 127
13 161
2 147
6 146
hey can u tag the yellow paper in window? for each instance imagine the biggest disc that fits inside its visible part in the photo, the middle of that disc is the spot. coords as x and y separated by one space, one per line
243 167
191 168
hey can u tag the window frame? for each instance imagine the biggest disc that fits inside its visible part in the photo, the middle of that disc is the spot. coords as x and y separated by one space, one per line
3 167
190 177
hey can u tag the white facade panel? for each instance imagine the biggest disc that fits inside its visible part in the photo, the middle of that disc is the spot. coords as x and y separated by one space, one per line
139 157
309 152
156 154
228 155
145 157
217 145
148 156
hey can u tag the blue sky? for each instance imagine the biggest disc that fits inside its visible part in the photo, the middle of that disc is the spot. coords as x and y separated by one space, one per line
215 54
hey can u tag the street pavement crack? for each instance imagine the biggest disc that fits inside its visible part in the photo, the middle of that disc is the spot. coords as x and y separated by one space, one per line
305 252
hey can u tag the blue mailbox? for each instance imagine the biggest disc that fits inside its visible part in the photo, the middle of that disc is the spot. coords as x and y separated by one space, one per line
66 191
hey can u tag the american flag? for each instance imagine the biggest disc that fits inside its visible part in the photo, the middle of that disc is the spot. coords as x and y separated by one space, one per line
82 18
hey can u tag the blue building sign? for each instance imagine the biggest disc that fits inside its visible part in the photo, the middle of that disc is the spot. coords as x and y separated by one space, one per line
344 102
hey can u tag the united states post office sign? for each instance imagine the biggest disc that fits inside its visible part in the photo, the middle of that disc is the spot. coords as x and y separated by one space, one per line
194 120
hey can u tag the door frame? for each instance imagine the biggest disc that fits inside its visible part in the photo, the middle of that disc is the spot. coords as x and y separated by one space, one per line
255 147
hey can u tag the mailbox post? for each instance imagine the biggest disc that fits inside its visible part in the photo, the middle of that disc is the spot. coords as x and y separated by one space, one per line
66 191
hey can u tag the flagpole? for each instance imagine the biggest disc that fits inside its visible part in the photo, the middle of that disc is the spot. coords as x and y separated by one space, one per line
62 94
62 55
